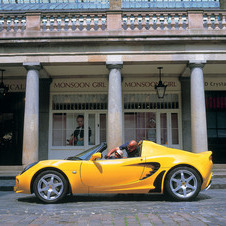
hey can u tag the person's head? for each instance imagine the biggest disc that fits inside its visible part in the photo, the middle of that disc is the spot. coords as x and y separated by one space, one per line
132 145
80 120
119 154
152 123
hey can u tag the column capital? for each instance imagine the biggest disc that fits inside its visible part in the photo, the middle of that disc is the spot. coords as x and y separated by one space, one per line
114 64
32 66
199 64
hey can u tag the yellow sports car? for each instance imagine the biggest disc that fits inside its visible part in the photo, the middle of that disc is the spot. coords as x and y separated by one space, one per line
158 169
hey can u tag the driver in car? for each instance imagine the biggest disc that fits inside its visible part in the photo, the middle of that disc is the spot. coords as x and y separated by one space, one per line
130 147
118 154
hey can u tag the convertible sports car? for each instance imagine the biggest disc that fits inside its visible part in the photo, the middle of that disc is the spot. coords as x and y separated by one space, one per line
158 169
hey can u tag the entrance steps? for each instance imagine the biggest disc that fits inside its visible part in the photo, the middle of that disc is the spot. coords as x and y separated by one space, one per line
8 174
7 177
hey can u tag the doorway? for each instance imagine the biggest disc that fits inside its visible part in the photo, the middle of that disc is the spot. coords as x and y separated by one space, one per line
11 128
216 124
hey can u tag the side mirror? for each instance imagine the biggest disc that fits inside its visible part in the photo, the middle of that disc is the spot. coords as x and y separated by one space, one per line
96 156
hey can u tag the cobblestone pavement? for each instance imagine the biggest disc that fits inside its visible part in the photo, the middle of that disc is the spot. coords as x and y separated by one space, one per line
209 208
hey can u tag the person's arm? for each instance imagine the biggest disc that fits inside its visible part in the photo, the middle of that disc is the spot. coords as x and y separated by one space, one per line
72 139
111 152
80 132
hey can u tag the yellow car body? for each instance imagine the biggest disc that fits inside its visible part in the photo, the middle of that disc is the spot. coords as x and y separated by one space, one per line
147 173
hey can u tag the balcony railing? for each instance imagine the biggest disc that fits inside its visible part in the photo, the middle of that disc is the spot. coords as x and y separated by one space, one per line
214 21
106 24
15 23
75 23
155 21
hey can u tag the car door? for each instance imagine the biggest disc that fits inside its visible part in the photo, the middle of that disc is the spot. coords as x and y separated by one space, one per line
111 175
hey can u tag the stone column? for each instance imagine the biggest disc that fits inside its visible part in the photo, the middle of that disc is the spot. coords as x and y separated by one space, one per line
31 114
114 127
198 108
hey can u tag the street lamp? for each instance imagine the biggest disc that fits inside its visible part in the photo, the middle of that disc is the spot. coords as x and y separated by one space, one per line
3 89
160 88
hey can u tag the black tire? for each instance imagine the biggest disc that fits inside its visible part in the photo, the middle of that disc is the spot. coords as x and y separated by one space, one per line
50 186
182 184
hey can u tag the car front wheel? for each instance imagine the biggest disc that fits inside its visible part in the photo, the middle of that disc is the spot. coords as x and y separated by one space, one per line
50 186
183 184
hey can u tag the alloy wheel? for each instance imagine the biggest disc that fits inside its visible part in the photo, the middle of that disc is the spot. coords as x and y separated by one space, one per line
50 187
183 184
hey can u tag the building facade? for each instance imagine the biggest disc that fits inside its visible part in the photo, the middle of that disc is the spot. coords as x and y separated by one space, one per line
97 62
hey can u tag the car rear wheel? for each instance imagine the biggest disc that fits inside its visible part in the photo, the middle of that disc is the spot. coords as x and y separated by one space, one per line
50 186
183 184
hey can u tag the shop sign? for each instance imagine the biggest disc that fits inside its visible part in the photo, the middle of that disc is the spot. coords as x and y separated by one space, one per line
16 85
79 85
137 84
99 85
215 83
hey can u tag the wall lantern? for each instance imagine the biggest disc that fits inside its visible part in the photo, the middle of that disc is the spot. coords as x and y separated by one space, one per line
3 89
160 88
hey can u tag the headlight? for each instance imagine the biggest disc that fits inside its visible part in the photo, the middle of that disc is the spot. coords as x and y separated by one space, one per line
28 167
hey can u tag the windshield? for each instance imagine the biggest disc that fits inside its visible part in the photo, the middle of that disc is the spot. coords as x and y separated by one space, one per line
140 147
80 155
86 155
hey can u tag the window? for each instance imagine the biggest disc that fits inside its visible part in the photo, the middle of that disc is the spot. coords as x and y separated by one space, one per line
163 126
69 129
103 128
74 122
79 102
150 118
140 126
174 128
150 101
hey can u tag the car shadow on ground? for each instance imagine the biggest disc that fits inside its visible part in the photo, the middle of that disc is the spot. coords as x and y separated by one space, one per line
111 198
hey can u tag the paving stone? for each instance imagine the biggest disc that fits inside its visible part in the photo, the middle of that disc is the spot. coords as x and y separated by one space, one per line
168 219
155 219
193 220
209 208
143 219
